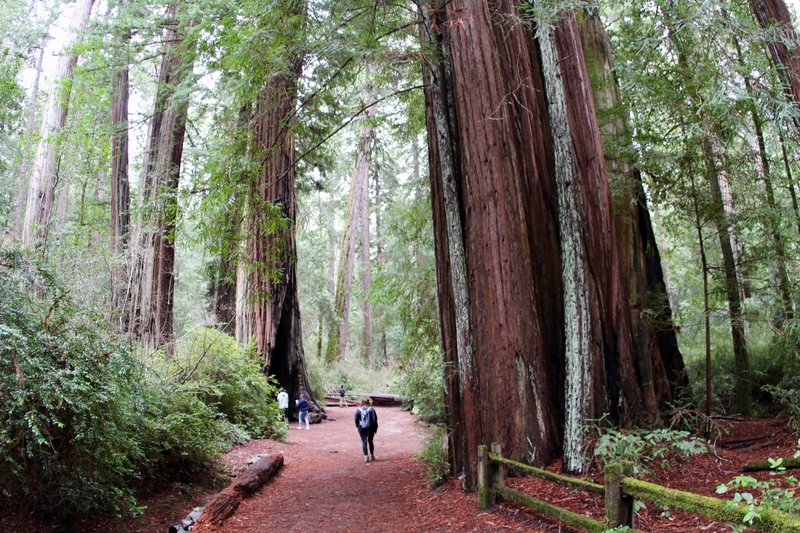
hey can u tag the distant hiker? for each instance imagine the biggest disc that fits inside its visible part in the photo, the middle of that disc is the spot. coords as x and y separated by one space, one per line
283 404
302 411
342 402
367 424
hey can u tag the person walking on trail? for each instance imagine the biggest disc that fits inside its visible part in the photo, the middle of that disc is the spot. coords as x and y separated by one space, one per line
342 402
283 404
367 423
302 411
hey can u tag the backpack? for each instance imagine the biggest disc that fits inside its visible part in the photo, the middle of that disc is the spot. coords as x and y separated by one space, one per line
364 418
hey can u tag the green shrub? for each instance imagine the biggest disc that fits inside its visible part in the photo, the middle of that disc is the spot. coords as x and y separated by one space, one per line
229 380
433 457
645 448
83 423
67 431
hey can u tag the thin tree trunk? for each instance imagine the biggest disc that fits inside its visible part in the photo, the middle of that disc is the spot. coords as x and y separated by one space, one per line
153 271
337 340
120 187
706 307
44 174
764 172
22 192
742 391
366 267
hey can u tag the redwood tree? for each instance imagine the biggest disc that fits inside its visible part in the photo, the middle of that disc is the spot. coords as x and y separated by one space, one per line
269 296
151 297
535 316
44 172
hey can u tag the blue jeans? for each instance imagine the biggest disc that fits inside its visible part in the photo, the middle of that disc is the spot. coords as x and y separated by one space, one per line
300 416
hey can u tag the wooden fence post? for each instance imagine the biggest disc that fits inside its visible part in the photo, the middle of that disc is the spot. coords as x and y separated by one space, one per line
484 479
618 505
497 470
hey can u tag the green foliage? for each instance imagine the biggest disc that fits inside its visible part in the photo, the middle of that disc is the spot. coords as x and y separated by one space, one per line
646 447
84 423
433 456
778 492
228 380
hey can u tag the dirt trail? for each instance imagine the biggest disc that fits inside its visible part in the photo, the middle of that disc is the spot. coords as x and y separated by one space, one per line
325 486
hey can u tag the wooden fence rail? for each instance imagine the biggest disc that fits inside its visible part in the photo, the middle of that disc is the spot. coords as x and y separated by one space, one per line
618 491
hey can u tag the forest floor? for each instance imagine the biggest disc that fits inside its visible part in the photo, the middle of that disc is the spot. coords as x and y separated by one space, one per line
326 487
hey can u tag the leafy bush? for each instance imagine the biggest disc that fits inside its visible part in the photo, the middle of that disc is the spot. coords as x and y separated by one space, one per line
229 380
778 492
644 448
65 399
433 456
83 423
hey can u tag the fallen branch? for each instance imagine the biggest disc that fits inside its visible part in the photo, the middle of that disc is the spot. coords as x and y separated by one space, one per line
786 462
226 502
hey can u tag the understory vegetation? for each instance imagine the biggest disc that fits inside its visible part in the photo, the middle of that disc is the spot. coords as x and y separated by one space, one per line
86 422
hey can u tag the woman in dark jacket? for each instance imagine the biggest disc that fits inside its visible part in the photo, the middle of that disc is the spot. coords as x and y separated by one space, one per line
367 423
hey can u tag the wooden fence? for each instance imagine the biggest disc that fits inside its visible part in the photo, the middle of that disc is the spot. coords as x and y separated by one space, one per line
619 491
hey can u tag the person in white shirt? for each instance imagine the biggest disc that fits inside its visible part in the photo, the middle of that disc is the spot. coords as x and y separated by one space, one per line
283 404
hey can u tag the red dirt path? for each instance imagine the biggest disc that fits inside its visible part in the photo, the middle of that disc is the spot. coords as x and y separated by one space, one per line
325 486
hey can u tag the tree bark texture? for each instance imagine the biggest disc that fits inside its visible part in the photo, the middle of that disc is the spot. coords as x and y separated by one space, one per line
663 372
534 312
272 293
783 46
359 188
153 279
365 263
120 186
44 173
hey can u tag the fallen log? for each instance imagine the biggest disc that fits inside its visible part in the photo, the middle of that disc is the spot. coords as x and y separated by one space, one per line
224 504
786 462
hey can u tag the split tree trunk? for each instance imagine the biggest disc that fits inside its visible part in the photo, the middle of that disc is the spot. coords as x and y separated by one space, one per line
529 278
359 187
44 174
663 372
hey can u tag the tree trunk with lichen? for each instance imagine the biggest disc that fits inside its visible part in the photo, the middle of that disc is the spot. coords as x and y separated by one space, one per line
529 277
44 177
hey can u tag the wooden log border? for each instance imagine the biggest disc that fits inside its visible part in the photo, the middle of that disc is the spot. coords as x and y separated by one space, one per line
619 491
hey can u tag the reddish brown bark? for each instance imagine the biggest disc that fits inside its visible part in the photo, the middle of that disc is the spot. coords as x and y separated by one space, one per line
272 294
663 373
511 121
152 279
783 47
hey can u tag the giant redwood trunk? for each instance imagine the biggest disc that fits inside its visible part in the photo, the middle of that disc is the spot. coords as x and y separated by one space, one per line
535 316
272 301
152 293
662 374
44 172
